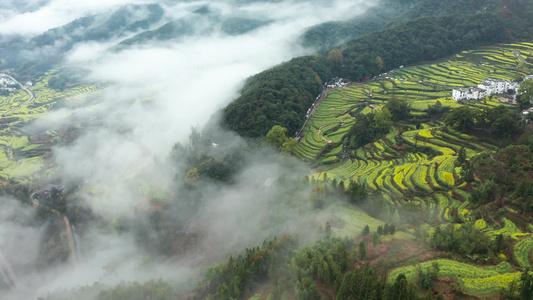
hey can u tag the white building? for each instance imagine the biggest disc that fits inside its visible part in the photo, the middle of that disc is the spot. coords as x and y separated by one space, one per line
486 88
511 85
494 86
468 93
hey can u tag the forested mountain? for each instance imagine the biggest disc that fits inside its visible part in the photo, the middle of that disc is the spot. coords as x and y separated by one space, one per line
100 27
410 42
387 14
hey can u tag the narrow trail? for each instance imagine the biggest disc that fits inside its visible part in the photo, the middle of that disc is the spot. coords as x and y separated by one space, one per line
319 132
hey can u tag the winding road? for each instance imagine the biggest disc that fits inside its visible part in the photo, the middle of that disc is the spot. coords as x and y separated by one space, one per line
24 88
517 54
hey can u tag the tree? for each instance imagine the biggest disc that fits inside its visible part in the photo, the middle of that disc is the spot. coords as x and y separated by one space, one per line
335 59
277 136
400 290
399 109
366 230
362 250
192 176
289 146
382 120
461 118
57 82
461 156
328 229
392 229
375 238
526 285
466 171
379 63
386 229
380 230
526 94
357 192
506 123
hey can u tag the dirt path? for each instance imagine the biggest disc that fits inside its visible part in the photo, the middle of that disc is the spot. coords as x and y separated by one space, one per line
319 132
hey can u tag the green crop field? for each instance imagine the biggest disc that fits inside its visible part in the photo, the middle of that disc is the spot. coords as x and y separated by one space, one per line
522 251
20 158
381 166
474 279
427 176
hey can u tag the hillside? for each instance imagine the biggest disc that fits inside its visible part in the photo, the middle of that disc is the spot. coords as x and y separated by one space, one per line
137 161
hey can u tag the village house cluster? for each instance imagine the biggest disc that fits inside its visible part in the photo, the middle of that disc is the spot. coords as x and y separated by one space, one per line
337 83
488 87
7 84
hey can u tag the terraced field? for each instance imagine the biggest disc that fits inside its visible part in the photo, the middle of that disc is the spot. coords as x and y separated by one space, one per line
476 280
417 165
430 171
20 155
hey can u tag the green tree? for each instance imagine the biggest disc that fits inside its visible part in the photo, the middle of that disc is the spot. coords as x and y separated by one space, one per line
362 250
289 146
328 229
461 156
380 230
357 192
379 63
526 285
335 59
192 176
382 120
461 118
366 230
277 136
526 93
375 238
399 109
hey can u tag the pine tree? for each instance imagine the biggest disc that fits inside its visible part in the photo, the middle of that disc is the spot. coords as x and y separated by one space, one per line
392 229
526 288
366 230
362 250
461 156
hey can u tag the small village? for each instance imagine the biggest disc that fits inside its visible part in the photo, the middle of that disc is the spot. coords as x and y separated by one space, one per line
7 85
488 88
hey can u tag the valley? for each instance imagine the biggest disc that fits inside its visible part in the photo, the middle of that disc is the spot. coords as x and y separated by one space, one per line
267 150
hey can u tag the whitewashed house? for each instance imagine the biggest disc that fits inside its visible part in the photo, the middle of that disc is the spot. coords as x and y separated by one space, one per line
468 93
511 85
494 86
487 88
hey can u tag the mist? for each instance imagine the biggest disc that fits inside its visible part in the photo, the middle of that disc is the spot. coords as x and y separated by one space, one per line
155 92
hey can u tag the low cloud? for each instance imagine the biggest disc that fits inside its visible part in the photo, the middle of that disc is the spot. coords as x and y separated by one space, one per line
35 17
154 94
